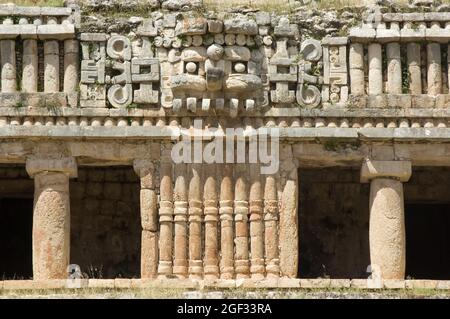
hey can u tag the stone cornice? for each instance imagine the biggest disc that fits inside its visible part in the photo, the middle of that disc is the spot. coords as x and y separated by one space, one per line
173 133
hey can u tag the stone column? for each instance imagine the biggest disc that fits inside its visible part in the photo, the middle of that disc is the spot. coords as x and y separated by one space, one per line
375 69
51 216
71 69
434 75
165 215
271 227
210 200
448 64
226 223
195 222
394 71
289 226
357 80
149 218
180 196
241 260
387 223
8 61
257 269
51 66
30 66
414 68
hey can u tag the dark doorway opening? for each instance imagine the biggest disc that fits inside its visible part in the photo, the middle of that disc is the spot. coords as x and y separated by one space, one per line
333 223
106 222
427 241
16 238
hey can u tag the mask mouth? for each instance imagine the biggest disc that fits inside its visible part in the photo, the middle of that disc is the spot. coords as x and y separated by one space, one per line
243 82
214 79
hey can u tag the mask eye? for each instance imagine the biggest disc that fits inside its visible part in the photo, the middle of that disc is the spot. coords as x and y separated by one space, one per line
240 67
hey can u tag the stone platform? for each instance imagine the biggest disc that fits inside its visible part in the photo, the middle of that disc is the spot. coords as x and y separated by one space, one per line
280 283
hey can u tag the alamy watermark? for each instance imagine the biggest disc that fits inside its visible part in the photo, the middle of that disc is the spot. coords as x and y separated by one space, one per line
231 146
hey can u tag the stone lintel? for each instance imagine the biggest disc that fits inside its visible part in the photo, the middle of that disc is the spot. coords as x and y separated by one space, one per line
371 169
67 165
335 41
56 32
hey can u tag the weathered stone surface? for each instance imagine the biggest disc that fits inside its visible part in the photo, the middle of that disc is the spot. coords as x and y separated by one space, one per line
183 5
149 254
387 228
358 283
394 70
394 284
414 63
375 69
191 26
122 283
8 62
288 229
56 32
240 25
101 283
379 169
340 283
421 284
423 101
443 284
51 226
434 76
33 284
215 26
315 283
66 165
357 69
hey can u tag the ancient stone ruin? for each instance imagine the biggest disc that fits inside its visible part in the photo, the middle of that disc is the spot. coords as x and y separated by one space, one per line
92 116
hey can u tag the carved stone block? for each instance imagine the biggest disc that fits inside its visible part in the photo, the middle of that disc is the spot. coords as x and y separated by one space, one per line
109 71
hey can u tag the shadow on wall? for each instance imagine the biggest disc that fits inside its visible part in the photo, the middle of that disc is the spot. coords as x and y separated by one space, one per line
334 223
16 213
427 222
105 222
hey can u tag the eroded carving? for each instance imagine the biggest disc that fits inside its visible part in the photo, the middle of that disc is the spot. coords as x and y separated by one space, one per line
309 78
110 70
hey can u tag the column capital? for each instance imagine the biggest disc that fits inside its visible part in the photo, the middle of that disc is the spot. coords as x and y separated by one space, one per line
142 166
66 165
145 168
371 169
